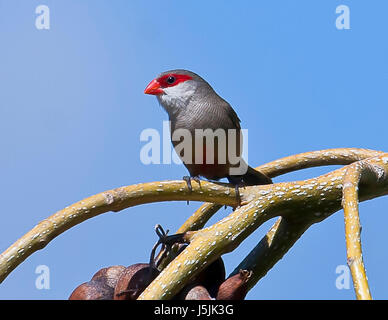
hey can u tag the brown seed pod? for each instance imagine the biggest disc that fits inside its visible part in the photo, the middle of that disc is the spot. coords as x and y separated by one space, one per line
133 280
235 287
109 275
193 291
92 290
197 292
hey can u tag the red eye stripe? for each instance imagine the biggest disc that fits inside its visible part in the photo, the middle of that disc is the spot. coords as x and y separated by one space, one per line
178 79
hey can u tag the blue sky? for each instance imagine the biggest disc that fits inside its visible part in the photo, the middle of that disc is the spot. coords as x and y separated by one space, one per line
72 109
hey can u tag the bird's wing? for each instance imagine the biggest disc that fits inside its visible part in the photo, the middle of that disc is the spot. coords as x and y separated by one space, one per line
232 115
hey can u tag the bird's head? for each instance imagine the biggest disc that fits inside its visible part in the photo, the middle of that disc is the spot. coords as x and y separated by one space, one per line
174 89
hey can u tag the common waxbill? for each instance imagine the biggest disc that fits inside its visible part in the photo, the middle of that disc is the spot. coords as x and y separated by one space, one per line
193 106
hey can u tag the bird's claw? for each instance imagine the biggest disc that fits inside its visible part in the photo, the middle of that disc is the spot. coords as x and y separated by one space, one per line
238 197
238 183
197 180
188 182
237 191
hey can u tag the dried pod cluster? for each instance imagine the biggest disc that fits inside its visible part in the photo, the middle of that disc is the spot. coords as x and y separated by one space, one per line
127 283
133 280
116 283
100 287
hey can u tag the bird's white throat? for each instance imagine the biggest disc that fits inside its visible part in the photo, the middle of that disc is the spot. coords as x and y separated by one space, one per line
176 97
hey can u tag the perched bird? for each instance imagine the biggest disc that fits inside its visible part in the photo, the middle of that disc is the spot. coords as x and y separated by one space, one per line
193 106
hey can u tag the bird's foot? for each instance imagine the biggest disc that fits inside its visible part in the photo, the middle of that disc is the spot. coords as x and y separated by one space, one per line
238 183
188 182
197 180
238 196
237 187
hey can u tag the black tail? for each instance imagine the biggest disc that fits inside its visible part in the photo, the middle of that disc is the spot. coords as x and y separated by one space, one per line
251 178
254 177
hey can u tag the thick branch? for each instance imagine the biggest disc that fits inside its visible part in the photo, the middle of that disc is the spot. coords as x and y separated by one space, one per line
352 178
112 200
284 233
319 197
341 156
304 202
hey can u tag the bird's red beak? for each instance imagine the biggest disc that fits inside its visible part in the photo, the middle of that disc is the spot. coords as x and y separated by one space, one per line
153 88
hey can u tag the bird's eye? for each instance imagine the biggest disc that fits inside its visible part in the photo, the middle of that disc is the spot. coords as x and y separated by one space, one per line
170 80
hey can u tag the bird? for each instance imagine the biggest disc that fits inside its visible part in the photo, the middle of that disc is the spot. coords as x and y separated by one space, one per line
195 108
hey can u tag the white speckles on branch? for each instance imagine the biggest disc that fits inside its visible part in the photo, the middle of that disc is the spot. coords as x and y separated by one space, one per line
327 194
108 197
380 172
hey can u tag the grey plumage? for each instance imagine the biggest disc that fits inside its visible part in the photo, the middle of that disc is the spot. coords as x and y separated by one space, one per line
193 104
